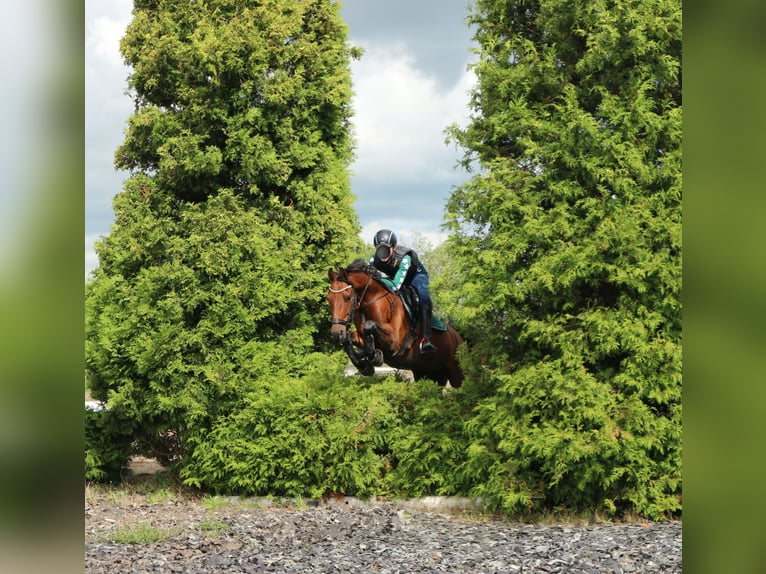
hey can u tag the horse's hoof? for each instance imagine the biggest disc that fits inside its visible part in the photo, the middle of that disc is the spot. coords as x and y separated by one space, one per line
367 370
378 359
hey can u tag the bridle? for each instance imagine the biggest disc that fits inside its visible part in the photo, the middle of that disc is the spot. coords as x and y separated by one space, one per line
356 303
352 309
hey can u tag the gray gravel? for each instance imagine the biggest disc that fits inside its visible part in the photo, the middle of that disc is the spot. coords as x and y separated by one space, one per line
354 537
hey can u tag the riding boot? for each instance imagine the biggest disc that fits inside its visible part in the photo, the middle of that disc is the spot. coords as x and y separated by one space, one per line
426 346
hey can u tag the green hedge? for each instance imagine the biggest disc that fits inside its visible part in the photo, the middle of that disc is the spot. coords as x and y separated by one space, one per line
325 433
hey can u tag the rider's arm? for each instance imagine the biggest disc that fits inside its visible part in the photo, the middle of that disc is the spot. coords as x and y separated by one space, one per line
401 272
372 264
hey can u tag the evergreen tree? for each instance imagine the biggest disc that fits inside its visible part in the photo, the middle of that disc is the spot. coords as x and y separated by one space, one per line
567 241
214 272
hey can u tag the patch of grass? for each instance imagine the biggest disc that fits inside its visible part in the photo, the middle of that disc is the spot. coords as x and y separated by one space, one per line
111 494
140 533
213 526
155 488
479 516
160 495
210 502
574 518
149 485
215 502
289 503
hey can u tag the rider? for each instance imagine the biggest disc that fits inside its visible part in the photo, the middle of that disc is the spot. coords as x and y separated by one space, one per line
403 264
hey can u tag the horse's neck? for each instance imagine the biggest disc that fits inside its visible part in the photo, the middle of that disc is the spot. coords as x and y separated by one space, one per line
360 281
368 288
371 294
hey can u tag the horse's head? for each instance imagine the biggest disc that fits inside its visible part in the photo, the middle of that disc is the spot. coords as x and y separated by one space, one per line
342 299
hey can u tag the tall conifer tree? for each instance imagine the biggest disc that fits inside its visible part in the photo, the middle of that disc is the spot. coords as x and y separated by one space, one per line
569 237
238 202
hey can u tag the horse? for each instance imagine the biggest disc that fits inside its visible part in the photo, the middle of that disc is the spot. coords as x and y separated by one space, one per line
384 330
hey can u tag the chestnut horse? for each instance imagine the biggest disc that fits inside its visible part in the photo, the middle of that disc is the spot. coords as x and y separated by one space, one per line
384 329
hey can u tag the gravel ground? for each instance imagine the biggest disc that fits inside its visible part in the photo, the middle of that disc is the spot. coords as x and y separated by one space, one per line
354 536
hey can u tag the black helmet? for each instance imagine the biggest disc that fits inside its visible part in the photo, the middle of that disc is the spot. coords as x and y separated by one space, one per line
384 237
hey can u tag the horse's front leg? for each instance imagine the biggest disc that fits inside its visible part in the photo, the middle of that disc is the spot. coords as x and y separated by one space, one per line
359 359
373 355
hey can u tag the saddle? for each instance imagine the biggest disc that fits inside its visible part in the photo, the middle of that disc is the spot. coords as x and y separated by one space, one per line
411 301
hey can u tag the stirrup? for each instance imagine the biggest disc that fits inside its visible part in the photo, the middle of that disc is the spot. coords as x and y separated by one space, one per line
426 346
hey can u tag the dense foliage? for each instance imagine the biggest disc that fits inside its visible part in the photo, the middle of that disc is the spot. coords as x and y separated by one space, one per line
213 273
319 434
563 269
567 254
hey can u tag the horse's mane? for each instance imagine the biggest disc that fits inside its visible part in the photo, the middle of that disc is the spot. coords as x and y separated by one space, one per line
357 265
361 266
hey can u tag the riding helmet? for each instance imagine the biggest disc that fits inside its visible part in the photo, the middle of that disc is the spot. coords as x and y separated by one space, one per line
385 237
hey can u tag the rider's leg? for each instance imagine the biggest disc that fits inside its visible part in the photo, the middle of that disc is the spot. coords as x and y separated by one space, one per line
420 282
426 346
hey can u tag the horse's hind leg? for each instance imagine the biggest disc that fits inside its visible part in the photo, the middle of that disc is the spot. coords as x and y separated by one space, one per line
440 379
456 375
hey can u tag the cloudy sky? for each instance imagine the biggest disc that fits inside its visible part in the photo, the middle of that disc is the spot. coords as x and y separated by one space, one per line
410 85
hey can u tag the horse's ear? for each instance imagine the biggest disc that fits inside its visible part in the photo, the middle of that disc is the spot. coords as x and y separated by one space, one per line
331 275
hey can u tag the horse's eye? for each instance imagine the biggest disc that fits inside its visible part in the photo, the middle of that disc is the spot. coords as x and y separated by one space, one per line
348 298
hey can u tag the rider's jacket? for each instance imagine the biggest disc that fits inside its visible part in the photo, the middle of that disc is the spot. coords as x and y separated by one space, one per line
402 267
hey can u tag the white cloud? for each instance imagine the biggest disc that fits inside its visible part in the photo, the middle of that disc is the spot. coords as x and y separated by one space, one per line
105 71
91 258
107 110
400 117
407 230
102 38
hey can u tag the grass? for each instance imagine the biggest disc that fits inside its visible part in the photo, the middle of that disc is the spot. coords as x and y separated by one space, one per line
143 533
215 502
156 488
161 495
162 486
213 526
113 495
140 533
573 518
